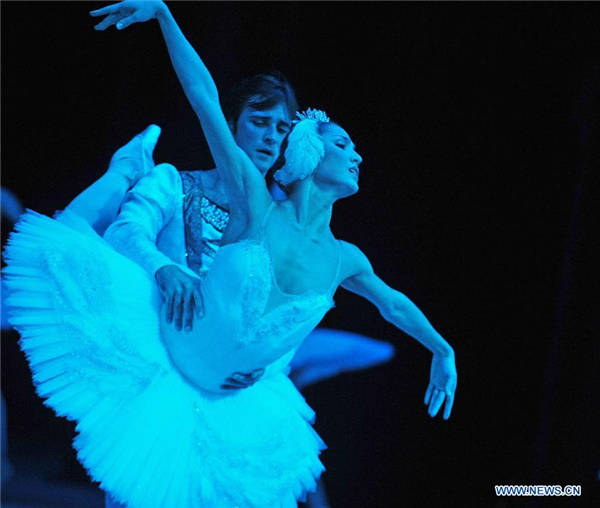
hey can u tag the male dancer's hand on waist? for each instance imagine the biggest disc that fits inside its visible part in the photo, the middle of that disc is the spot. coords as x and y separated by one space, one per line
182 296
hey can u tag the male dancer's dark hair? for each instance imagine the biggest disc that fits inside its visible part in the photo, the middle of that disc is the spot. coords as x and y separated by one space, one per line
260 92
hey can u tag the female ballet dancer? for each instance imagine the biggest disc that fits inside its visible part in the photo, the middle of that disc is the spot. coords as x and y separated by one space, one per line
155 427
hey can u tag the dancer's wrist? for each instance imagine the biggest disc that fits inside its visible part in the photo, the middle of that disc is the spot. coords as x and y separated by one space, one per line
443 349
162 11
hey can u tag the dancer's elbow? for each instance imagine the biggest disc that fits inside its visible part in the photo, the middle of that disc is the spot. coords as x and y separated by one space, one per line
395 309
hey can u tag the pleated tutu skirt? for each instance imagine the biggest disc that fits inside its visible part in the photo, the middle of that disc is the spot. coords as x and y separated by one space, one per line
89 324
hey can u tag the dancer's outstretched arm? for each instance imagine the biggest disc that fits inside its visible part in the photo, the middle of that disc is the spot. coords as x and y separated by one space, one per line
396 308
99 203
245 186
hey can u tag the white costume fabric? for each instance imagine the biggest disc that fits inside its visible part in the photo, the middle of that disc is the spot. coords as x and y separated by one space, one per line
154 427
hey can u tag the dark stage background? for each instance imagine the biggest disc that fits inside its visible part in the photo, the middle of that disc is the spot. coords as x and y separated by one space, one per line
478 125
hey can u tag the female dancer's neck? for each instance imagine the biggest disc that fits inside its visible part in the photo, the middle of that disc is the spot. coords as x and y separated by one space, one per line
312 206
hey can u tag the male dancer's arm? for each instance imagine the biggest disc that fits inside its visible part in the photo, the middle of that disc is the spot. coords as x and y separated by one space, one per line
147 210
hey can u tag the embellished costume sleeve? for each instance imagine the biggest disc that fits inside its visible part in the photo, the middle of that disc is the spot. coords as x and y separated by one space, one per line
147 208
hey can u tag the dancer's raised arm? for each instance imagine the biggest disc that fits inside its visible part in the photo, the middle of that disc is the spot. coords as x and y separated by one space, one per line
245 185
397 308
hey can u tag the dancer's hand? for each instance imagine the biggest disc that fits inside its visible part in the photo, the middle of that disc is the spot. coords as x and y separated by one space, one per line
134 159
239 380
442 384
182 296
128 12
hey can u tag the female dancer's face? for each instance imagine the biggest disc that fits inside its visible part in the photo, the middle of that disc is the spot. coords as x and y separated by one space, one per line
260 133
340 164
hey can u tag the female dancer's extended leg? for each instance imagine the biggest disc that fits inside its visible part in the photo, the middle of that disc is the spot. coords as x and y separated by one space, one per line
99 204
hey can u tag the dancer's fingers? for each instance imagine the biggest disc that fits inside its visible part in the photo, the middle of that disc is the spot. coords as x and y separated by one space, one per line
170 307
432 395
428 393
432 401
109 9
125 22
198 302
449 404
436 402
178 310
257 373
188 311
243 378
227 386
106 22
233 384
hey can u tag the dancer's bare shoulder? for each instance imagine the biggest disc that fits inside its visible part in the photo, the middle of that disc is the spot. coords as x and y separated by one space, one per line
360 278
354 263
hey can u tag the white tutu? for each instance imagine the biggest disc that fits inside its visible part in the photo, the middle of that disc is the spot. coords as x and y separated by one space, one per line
89 324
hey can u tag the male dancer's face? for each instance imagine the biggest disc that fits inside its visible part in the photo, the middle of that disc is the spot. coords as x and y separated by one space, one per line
260 134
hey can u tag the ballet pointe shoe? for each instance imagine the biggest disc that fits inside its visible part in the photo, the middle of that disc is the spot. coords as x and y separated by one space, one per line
134 159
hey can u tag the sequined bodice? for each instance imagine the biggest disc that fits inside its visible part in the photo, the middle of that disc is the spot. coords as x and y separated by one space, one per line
204 223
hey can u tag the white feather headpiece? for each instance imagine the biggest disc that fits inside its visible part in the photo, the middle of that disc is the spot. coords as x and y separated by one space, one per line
305 148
